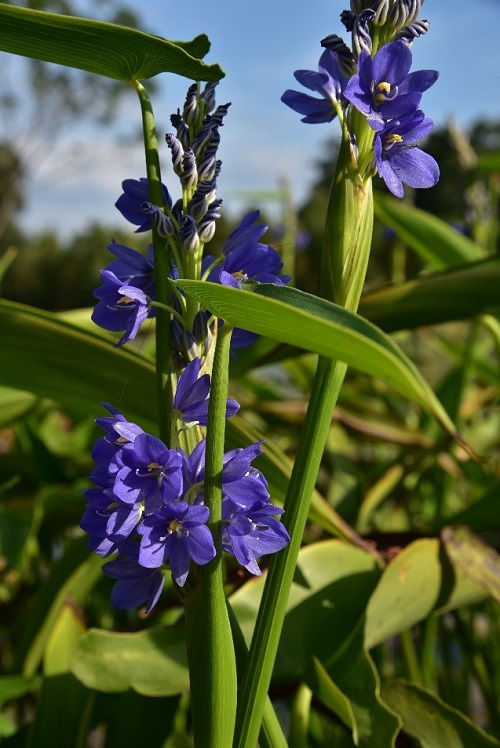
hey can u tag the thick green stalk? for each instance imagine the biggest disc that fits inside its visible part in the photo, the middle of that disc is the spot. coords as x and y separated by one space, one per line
347 244
162 268
211 658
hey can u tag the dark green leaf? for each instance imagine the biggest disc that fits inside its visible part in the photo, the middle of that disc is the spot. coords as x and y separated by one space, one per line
99 47
458 293
78 369
434 240
431 721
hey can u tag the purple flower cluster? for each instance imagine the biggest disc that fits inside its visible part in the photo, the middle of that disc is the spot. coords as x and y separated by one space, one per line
148 505
381 87
389 96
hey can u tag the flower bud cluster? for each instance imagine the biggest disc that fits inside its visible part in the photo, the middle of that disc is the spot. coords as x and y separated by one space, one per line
374 79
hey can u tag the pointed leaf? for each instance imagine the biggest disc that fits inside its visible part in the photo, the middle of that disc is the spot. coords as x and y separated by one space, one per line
433 240
98 47
431 721
300 319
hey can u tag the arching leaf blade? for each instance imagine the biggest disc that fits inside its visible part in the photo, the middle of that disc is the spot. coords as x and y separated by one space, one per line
52 358
453 294
99 47
434 240
292 316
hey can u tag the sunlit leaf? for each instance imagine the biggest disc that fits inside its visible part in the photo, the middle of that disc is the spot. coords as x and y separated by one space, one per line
292 316
152 662
99 47
419 580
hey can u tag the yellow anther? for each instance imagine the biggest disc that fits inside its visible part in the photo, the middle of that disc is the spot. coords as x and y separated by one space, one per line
393 138
174 526
384 87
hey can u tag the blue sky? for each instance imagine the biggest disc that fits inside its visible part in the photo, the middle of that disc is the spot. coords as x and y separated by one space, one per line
76 178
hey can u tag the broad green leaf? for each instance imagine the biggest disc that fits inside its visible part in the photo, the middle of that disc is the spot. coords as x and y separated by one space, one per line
478 561
418 581
431 721
98 47
54 359
333 582
355 676
152 662
457 293
435 241
292 316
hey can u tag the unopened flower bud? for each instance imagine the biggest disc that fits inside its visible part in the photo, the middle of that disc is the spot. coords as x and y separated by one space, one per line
160 219
381 9
177 152
412 31
189 176
345 57
361 39
208 96
189 235
191 107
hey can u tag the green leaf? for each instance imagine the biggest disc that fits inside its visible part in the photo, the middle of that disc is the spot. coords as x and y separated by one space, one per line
98 47
63 640
419 580
431 721
476 559
54 359
489 161
432 239
303 320
13 686
457 293
353 675
152 662
333 582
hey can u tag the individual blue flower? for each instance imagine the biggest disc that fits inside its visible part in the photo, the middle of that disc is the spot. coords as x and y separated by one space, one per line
250 261
242 483
133 268
108 521
135 193
120 307
383 88
176 534
149 473
192 396
329 81
135 585
398 159
251 532
247 230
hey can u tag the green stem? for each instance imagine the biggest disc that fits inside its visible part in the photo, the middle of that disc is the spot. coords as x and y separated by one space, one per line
345 257
212 664
327 384
161 270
